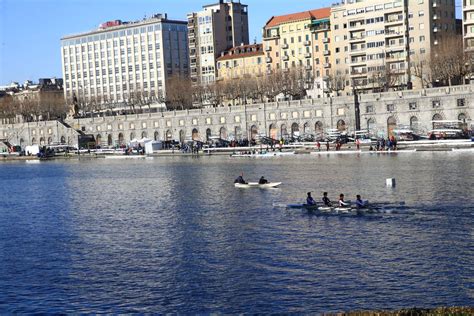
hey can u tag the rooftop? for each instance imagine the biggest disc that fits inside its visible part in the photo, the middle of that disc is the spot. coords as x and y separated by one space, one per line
242 51
317 14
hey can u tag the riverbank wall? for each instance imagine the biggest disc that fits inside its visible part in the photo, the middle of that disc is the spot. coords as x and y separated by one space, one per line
379 113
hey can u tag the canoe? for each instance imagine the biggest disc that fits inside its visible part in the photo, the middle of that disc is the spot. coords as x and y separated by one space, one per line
257 185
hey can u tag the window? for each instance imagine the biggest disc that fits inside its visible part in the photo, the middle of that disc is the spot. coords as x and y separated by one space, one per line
436 104
412 106
369 109
460 102
390 107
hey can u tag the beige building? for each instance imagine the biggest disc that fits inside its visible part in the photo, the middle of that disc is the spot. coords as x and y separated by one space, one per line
121 61
240 62
299 40
215 29
468 24
371 40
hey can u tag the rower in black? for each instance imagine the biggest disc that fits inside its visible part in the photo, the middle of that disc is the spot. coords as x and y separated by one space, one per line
326 200
262 180
310 200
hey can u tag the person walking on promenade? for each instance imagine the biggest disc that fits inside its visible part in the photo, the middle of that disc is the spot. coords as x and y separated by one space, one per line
318 145
327 145
358 144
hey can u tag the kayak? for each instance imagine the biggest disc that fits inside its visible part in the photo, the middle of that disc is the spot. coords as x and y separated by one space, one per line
257 185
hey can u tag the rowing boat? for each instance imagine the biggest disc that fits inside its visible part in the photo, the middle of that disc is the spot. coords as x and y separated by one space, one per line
338 152
257 185
463 149
351 209
264 155
388 152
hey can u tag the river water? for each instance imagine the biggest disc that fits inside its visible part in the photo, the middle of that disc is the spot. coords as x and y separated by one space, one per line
173 235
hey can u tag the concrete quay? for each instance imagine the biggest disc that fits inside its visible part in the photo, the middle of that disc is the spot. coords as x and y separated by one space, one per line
379 113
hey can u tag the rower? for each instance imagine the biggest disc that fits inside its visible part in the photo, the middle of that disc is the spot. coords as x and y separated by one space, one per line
341 201
326 200
310 200
240 180
360 203
262 180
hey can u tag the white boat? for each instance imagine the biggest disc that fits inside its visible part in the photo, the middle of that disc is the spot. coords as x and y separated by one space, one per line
388 152
257 185
264 155
125 156
337 152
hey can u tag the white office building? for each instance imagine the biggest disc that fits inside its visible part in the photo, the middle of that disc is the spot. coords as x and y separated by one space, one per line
124 62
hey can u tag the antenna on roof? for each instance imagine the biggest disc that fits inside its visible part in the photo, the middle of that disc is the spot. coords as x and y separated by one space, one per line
255 40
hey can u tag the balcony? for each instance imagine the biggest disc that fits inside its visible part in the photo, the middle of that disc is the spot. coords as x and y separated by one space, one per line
284 46
435 4
359 73
435 17
307 55
308 67
269 60
435 29
327 53
268 48
394 20
326 40
357 38
327 65
285 57
392 33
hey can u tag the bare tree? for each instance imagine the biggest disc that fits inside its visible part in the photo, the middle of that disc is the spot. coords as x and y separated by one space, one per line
421 69
450 64
179 93
336 81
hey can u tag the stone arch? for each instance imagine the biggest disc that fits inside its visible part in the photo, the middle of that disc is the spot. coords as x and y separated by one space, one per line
121 139
195 134
273 131
182 136
414 123
295 130
63 140
223 133
253 132
208 134
283 131
109 140
50 140
318 127
156 136
132 135
306 128
370 124
391 125
436 117
238 133
463 118
33 141
144 134
169 135
98 140
341 125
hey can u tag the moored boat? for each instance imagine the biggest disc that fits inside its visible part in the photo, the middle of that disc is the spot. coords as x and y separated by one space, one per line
257 185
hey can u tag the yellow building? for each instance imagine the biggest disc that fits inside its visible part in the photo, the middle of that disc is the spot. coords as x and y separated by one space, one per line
299 40
241 61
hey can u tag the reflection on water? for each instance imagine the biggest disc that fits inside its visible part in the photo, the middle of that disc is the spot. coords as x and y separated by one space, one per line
174 235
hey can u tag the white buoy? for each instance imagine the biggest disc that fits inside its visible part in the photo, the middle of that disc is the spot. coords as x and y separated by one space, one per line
390 182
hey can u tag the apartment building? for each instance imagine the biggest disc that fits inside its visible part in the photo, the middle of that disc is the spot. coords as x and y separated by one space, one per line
241 62
124 61
300 40
215 29
374 41
468 24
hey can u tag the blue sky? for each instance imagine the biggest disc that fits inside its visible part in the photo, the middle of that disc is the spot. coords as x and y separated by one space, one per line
30 30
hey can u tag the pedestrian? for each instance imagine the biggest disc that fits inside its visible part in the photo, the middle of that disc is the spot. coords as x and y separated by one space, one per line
358 144
327 145
318 145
